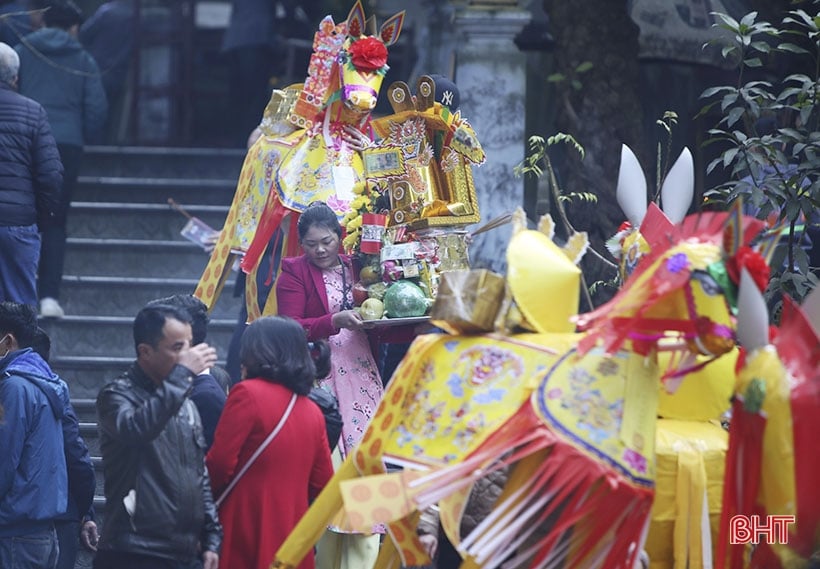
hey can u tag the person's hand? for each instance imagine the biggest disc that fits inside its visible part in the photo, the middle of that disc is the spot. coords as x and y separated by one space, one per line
89 536
355 138
210 560
430 544
198 358
349 319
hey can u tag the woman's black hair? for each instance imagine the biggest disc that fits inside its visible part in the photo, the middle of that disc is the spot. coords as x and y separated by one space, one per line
275 348
318 213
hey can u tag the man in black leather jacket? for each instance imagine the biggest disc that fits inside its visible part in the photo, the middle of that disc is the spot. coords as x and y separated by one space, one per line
159 508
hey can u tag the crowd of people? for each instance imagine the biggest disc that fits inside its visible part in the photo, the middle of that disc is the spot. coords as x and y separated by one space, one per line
54 101
198 473
193 478
202 469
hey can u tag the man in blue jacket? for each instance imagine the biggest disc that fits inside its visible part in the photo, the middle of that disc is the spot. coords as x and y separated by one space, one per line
30 179
59 74
33 479
81 479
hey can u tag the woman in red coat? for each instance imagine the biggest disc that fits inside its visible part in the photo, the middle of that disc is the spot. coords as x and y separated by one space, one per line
273 494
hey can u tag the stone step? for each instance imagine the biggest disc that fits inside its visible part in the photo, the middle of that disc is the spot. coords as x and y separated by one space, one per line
137 220
85 376
135 258
124 296
112 335
124 248
85 408
213 191
159 162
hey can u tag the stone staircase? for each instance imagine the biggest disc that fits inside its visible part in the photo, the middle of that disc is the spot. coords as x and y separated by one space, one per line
124 249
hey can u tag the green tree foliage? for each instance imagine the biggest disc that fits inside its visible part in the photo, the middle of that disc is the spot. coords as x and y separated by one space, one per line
538 163
770 133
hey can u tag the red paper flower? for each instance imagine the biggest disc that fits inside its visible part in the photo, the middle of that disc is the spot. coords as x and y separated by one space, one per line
368 54
753 262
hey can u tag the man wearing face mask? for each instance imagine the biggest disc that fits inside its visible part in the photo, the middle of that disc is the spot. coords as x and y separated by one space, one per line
33 479
159 508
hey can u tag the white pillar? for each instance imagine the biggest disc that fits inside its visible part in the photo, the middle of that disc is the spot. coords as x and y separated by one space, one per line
491 78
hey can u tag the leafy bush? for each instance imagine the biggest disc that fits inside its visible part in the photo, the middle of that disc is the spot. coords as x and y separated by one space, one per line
773 166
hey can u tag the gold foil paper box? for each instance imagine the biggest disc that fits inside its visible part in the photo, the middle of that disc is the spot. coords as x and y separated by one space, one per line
468 301
449 247
424 159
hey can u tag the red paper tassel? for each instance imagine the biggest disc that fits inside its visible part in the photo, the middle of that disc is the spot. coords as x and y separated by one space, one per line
271 219
741 479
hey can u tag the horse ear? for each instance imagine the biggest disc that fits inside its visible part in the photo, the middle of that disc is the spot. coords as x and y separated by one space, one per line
752 315
631 190
355 20
733 231
546 225
400 97
425 93
391 29
679 188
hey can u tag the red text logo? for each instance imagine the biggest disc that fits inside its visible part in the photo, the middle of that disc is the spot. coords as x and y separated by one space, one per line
748 529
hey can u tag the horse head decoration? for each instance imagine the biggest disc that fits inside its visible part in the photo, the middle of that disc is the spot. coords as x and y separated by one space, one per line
631 192
572 415
309 150
690 445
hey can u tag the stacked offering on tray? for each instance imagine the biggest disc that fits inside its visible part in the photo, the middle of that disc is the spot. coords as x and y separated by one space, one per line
402 280
408 222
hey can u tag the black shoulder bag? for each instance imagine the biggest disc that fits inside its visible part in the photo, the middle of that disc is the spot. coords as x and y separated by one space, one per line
330 409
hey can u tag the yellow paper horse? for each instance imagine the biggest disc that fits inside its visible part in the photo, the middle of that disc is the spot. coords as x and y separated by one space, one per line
573 415
690 442
309 150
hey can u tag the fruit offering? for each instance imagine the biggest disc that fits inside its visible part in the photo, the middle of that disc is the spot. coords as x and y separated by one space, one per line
405 299
372 309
